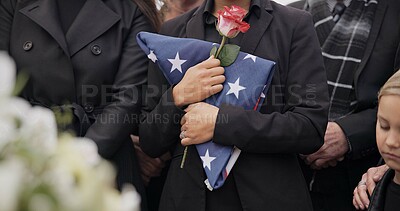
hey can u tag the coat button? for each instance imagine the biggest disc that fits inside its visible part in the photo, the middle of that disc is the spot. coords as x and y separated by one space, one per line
27 45
88 108
96 50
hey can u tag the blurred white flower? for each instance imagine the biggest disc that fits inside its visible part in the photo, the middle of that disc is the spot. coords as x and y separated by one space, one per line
7 75
11 177
88 150
41 171
12 114
130 200
41 202
39 129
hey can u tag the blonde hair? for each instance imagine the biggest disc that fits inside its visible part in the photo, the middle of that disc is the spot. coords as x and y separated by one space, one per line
391 87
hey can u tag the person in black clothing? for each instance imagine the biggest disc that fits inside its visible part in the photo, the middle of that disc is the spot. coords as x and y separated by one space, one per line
267 173
83 55
360 42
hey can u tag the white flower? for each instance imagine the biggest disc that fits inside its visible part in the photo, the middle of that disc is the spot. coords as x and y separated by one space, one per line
12 113
41 202
130 200
7 75
88 150
39 130
11 182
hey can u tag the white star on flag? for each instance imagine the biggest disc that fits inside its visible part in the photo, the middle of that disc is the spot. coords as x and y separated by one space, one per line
207 160
176 63
235 88
152 56
249 56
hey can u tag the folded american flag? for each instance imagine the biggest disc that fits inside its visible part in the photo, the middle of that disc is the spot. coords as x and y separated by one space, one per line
247 81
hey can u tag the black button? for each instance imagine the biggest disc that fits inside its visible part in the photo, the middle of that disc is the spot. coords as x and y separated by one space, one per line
96 50
88 108
27 45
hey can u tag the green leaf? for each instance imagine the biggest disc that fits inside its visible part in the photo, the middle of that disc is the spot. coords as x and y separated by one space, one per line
228 54
213 51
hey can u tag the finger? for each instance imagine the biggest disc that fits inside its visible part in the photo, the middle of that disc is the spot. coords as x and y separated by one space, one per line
371 187
186 141
216 89
154 162
311 158
355 203
362 195
183 120
321 163
220 79
216 71
332 163
185 127
209 63
153 171
368 178
313 166
358 200
191 106
381 170
135 139
340 159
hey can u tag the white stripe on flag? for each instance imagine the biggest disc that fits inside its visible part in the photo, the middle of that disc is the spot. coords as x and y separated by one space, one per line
340 85
235 154
341 57
323 21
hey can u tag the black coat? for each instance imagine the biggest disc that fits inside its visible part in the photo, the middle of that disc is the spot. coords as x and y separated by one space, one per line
293 120
380 60
377 200
96 66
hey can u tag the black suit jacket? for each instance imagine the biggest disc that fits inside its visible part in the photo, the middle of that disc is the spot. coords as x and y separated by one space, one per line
293 119
381 59
97 65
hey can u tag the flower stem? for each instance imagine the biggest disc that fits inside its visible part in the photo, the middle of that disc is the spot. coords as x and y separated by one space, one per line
221 46
184 157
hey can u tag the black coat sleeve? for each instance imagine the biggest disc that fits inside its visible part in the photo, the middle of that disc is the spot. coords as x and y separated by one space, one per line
6 17
120 118
359 128
301 124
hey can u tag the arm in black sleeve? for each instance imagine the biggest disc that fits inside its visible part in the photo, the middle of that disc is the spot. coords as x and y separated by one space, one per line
160 126
359 128
301 125
127 89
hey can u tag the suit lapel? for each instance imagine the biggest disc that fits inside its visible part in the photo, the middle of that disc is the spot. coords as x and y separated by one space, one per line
195 26
257 29
373 35
94 19
44 13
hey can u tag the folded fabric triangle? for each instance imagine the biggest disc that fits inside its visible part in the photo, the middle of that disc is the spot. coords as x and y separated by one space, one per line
247 81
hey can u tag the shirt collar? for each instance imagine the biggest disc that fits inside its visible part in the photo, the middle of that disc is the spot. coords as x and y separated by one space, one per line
255 7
